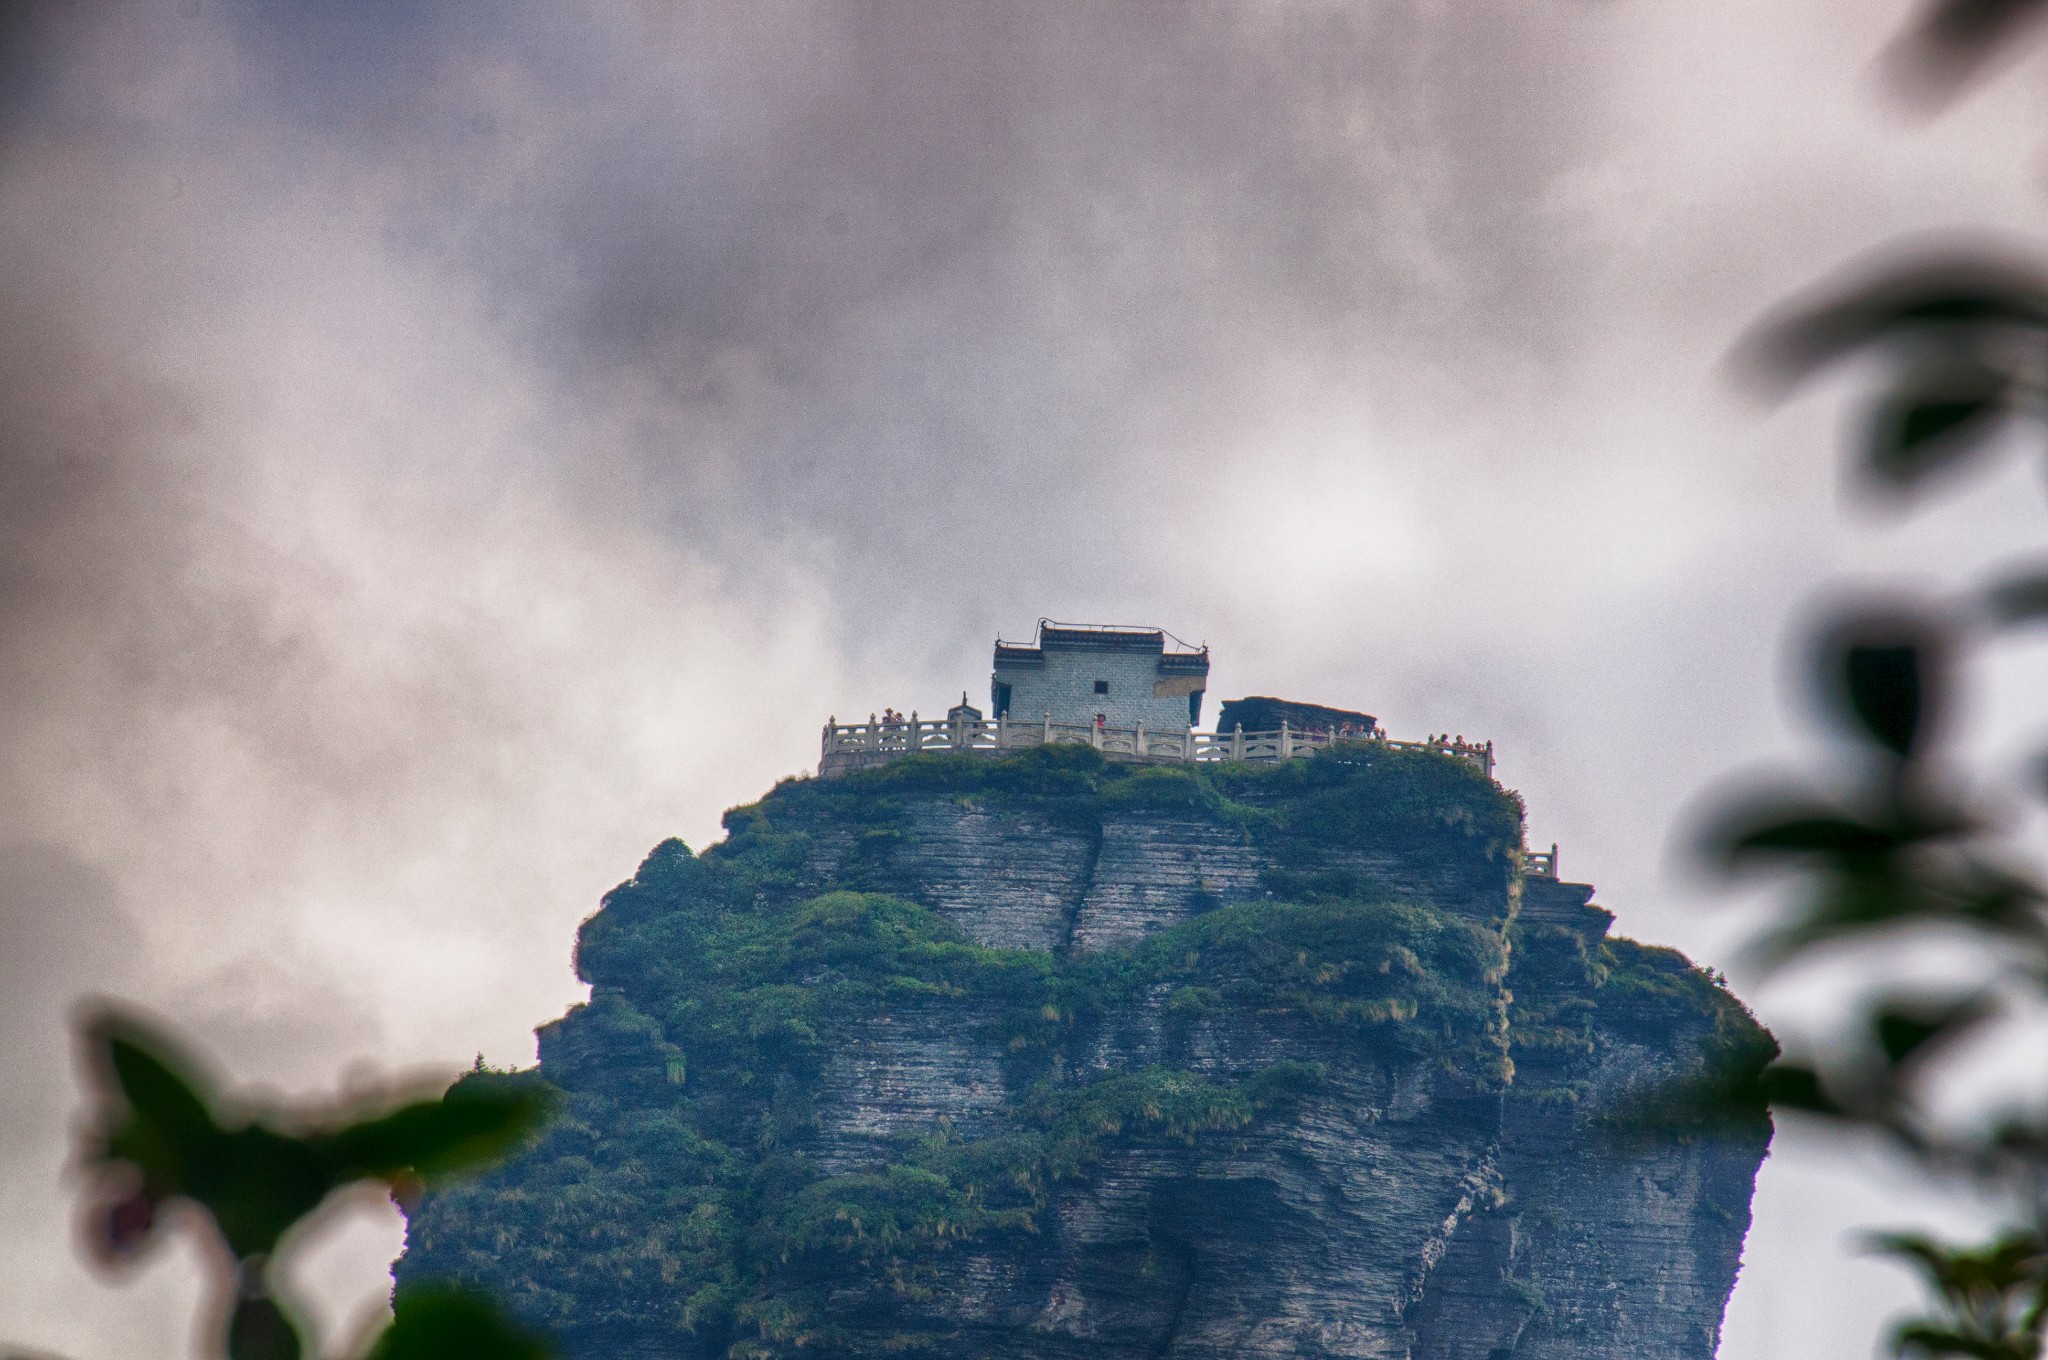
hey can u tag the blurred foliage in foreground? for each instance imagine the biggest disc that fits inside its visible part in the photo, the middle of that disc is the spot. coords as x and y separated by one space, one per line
164 1139
1896 846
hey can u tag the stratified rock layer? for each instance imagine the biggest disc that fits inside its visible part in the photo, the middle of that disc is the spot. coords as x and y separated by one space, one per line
1044 1057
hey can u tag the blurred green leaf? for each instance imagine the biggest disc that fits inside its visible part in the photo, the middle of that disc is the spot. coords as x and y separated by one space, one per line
259 1183
1990 899
167 1126
1975 26
1955 41
1887 692
1814 835
1943 301
2006 1262
1988 1298
1848 900
1908 1033
1789 1086
1920 1338
441 1323
255 1180
2020 598
2023 1137
162 1136
468 1127
259 1330
1932 420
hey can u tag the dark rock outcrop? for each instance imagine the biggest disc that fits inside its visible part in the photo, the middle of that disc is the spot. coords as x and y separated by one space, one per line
1045 1057
1262 714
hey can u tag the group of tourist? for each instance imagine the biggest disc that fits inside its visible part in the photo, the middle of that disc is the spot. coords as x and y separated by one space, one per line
1348 731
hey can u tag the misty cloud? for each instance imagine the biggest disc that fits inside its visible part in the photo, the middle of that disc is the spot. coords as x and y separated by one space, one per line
865 274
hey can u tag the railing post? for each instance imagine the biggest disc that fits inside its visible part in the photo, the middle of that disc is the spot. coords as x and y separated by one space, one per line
1045 737
1286 749
1002 730
1553 858
874 734
1187 746
1237 742
1138 742
916 740
1095 735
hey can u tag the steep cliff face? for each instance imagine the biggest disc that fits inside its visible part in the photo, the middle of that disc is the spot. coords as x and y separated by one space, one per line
1043 1057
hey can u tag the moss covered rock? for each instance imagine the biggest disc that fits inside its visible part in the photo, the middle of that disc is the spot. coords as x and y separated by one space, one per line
1047 1056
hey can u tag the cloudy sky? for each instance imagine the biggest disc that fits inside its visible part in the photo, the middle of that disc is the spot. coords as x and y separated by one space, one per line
449 448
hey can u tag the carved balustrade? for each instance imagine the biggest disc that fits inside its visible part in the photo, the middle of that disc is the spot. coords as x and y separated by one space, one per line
848 745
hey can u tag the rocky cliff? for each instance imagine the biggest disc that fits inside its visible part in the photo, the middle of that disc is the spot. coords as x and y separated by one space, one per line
1042 1056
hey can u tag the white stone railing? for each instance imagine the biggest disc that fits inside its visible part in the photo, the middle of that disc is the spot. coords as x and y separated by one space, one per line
1540 863
853 745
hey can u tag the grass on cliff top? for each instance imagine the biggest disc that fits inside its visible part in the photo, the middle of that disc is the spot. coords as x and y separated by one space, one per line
1352 795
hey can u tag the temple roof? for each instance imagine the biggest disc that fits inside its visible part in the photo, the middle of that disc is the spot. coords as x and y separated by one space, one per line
1091 637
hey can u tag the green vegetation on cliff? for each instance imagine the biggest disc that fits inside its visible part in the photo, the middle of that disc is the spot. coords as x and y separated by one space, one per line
1571 995
688 1190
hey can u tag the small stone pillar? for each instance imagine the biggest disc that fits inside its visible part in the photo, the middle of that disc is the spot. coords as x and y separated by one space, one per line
963 724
